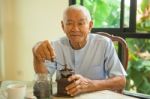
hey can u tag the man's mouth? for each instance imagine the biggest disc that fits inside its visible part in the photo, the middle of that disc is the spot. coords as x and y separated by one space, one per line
75 35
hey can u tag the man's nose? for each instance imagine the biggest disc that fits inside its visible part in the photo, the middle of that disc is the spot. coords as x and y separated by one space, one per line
75 27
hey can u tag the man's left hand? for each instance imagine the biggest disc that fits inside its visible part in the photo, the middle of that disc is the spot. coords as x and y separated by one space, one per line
80 85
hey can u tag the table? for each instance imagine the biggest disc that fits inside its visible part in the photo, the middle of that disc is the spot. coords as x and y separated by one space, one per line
105 94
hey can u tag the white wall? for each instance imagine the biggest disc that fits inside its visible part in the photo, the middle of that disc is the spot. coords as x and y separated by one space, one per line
26 22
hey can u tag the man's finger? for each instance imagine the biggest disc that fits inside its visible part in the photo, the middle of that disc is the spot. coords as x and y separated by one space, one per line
74 77
70 86
46 53
51 50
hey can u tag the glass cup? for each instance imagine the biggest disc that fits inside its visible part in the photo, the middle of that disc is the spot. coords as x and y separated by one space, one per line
13 91
42 88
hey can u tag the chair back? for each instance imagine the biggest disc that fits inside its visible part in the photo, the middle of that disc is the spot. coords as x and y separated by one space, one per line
122 43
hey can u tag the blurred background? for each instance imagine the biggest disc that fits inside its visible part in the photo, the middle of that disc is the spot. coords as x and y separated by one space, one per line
22 24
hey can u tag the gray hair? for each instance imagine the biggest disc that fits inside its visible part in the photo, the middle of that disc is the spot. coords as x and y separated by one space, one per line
78 7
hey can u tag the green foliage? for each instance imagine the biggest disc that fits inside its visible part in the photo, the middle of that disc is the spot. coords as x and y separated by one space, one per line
138 45
138 73
144 4
143 21
143 26
105 13
138 77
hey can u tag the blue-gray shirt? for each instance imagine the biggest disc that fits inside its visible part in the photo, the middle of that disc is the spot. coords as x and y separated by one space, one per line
96 60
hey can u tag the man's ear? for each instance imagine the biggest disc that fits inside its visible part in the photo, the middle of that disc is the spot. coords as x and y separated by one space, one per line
90 25
62 25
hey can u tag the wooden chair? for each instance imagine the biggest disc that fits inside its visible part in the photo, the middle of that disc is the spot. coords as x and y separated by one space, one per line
122 43
124 49
124 60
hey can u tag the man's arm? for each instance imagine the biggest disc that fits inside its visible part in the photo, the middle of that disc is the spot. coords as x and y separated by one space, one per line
39 66
82 84
42 51
116 83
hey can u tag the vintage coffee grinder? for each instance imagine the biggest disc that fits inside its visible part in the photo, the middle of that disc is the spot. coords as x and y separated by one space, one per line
62 82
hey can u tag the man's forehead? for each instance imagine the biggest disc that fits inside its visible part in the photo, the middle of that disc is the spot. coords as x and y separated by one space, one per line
80 20
75 11
75 14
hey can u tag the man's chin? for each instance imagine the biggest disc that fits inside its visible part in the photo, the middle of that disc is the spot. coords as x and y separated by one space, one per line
75 40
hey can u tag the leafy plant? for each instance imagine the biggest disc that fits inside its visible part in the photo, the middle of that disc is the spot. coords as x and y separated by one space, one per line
143 19
105 13
138 77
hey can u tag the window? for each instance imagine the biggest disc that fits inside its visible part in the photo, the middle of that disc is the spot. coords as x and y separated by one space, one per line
129 19
101 18
143 16
110 16
139 65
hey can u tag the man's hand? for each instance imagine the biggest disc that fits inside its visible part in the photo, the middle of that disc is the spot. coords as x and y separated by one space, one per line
79 85
42 51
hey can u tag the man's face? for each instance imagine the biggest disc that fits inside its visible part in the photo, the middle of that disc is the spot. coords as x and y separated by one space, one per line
76 26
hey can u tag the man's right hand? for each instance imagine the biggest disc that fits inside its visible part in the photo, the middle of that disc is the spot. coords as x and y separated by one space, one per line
42 51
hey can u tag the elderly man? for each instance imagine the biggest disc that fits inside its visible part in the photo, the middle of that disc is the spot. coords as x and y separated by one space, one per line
92 57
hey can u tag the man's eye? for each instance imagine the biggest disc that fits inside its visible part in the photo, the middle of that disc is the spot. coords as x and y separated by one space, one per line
68 23
81 23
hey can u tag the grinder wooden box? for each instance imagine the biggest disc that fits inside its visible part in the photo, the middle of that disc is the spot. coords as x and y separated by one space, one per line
62 82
